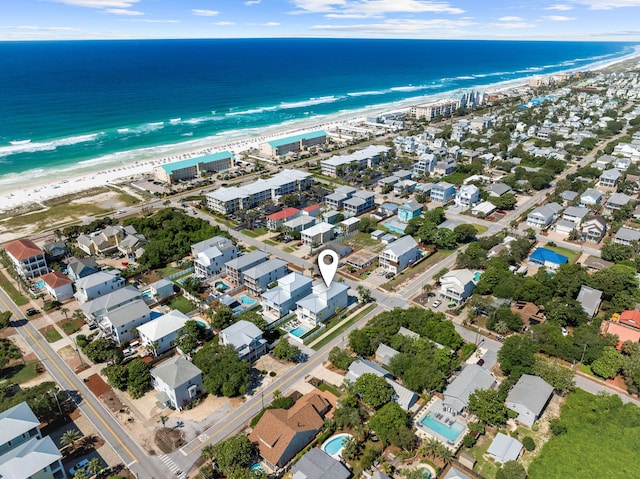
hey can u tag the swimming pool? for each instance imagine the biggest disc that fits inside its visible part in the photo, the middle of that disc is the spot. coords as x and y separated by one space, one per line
257 467
334 445
452 433
39 284
426 472
244 299
221 285
147 294
299 331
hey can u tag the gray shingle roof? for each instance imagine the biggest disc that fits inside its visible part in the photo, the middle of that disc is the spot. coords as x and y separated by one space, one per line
176 371
317 464
16 421
471 378
29 458
532 392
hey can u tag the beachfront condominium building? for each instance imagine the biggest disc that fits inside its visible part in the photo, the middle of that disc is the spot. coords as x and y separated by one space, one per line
429 111
335 200
279 301
194 167
258 278
24 453
359 160
323 302
212 254
27 258
228 200
236 267
293 144
399 255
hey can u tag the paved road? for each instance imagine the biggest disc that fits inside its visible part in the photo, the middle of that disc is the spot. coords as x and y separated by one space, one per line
107 426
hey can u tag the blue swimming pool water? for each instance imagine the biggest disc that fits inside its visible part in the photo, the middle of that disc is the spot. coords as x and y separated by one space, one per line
426 473
39 284
258 468
335 445
452 433
476 276
247 300
299 331
221 285
147 294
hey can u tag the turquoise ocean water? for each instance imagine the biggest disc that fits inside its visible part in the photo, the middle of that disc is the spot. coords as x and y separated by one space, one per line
69 106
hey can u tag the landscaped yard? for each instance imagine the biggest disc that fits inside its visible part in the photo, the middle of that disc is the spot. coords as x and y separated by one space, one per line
364 241
256 232
168 271
600 439
182 304
21 373
343 327
484 467
70 325
569 253
13 293
480 228
51 334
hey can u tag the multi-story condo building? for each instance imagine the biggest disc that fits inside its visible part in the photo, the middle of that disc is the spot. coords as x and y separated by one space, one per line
257 279
228 200
361 202
27 257
430 111
336 199
358 160
194 167
236 267
293 144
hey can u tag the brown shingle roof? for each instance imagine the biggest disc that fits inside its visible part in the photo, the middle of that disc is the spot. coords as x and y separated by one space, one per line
277 428
22 249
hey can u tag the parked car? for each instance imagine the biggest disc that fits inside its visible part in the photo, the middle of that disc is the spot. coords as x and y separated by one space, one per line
480 362
32 312
436 303
81 465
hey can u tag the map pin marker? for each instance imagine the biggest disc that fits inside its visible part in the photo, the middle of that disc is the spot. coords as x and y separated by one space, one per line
328 265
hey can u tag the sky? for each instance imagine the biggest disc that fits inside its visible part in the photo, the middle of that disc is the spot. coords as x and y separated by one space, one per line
589 20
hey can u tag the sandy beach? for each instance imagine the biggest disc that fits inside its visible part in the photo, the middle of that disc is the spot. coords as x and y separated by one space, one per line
18 193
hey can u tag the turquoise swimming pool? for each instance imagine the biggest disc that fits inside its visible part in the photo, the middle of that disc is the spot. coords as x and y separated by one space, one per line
147 294
221 286
334 445
39 284
452 433
246 300
257 467
299 331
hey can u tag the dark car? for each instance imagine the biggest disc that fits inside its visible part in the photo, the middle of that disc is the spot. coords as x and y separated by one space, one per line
480 362
32 312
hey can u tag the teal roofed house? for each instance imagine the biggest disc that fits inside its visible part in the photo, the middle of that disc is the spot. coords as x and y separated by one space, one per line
409 210
194 167
282 146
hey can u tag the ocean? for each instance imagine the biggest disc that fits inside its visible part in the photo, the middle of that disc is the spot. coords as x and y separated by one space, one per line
68 106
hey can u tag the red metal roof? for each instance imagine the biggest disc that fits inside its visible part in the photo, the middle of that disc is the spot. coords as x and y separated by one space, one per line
286 213
624 333
630 318
312 208
22 249
55 279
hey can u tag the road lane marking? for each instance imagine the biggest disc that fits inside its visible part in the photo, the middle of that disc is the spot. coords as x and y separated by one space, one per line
64 375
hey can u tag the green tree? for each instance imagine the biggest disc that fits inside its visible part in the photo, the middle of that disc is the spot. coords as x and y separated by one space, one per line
234 453
221 318
352 449
5 319
139 378
70 437
117 376
390 425
609 364
208 453
553 372
488 406
374 390
511 470
566 312
81 474
517 355
285 350
465 233
223 372
94 466
340 358
365 294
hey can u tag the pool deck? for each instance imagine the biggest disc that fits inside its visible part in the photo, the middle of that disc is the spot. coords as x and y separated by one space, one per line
338 454
435 405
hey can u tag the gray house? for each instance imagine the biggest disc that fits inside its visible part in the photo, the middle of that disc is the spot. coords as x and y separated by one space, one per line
529 397
177 381
472 378
80 267
120 322
246 337
589 299
317 464
504 448
236 267
544 215
404 397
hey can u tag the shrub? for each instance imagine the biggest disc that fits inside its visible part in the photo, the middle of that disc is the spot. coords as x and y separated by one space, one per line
469 440
528 443
558 427
272 374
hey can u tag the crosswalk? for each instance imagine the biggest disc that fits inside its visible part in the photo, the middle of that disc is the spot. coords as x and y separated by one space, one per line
173 467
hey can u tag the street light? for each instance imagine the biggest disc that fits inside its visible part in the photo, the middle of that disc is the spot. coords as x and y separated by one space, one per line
75 338
55 395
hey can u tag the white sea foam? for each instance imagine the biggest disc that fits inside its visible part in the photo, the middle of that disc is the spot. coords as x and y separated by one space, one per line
33 146
411 88
287 105
175 121
367 93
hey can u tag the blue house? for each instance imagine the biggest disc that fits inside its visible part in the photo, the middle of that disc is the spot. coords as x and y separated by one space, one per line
546 258
442 192
410 210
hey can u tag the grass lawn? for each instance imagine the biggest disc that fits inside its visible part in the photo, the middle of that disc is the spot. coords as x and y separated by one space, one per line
331 388
271 242
51 334
21 373
417 270
10 289
569 253
480 228
168 271
182 304
250 233
485 467
54 215
364 241
343 327
288 249
70 326
456 178
601 440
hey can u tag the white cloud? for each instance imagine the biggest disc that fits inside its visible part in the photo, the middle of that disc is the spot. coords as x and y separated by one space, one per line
371 8
223 24
270 24
252 2
204 13
608 4
512 25
403 27
510 19
99 3
560 7
349 15
558 18
123 11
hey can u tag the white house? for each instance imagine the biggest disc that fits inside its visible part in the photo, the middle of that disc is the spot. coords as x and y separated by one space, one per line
177 381
317 235
591 197
59 286
457 285
246 338
211 255
544 215
257 279
467 196
282 299
96 309
504 448
98 284
159 335
323 302
120 323
400 254
27 257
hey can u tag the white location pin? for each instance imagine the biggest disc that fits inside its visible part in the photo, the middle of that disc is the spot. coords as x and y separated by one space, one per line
328 265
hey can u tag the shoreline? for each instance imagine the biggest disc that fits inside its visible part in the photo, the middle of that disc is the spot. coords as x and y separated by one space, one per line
94 173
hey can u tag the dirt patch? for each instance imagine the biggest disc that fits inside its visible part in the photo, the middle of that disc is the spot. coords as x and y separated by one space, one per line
97 385
423 299
168 440
112 401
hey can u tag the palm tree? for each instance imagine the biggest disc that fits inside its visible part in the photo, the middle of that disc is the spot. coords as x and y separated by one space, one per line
432 446
208 453
64 311
445 454
80 474
277 394
94 466
70 437
163 419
